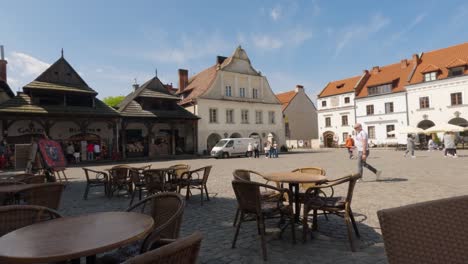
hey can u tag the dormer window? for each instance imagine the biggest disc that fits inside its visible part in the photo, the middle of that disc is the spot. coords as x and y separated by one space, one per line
430 76
457 71
340 85
324 103
380 89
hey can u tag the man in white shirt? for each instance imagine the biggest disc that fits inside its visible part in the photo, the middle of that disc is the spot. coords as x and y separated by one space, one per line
363 151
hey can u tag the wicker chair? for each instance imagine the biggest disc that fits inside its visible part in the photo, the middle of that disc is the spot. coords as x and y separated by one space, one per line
138 184
6 199
250 203
34 179
167 210
119 179
193 180
47 195
429 232
156 181
13 217
177 171
266 194
312 170
96 178
181 251
340 206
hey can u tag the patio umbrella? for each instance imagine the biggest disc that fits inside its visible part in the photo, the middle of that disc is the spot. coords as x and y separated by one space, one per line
407 130
444 128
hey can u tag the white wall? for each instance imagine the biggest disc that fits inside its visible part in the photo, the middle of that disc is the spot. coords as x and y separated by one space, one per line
380 119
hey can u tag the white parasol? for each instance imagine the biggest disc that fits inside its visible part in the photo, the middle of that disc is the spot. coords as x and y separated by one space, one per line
444 128
407 130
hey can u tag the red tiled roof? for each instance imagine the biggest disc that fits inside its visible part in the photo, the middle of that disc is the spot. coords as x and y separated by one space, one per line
198 84
393 73
340 86
285 98
444 59
430 68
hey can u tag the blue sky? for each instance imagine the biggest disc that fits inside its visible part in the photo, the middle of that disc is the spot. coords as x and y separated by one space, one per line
110 43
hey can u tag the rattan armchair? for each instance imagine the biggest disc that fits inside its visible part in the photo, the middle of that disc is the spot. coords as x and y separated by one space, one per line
47 195
250 203
156 180
138 183
340 206
181 251
119 179
96 178
4 197
311 170
266 194
34 179
177 171
430 232
196 179
13 217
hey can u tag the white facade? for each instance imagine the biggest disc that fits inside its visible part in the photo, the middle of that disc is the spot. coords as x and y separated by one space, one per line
383 120
337 106
440 109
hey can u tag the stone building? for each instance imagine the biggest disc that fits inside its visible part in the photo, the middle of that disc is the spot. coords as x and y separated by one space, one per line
233 100
300 117
153 124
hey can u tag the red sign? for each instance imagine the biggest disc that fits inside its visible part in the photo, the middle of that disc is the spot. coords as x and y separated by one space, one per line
52 153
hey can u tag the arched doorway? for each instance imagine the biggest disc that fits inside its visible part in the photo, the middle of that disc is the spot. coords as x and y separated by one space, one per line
272 138
425 124
328 139
257 137
211 141
235 135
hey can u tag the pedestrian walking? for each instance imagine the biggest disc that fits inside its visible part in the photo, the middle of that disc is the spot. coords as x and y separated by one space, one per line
449 145
90 151
275 150
70 152
410 146
256 150
267 149
97 151
350 146
363 151
249 150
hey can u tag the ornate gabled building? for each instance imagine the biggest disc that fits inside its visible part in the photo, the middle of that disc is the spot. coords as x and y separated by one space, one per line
153 124
233 100
300 117
60 105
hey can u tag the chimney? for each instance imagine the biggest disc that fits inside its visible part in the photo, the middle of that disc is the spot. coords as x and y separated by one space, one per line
135 86
416 59
183 79
3 65
404 63
299 88
375 69
220 59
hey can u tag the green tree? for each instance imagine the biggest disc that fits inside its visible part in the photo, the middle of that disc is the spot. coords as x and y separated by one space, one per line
113 101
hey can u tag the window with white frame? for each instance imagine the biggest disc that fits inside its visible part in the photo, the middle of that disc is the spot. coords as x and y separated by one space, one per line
457 71
389 129
213 115
424 102
245 116
456 98
241 92
369 109
389 107
258 117
229 116
371 132
347 100
324 103
344 120
380 89
328 121
254 93
271 117
228 90
345 136
430 76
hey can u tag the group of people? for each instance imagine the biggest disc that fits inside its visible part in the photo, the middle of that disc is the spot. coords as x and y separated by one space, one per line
271 150
93 152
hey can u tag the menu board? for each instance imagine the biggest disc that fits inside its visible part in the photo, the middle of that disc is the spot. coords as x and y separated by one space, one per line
52 153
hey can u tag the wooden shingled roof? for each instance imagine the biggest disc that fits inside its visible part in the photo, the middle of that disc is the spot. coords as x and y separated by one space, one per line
22 104
60 76
155 89
6 88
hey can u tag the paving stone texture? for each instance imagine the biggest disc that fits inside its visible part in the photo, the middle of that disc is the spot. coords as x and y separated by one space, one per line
406 180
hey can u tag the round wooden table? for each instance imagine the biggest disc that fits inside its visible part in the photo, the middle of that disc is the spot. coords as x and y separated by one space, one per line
294 179
14 188
73 237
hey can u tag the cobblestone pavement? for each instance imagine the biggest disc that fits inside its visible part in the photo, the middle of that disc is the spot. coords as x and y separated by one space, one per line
426 177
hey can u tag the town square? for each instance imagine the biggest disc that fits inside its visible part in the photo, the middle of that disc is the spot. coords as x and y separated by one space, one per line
233 132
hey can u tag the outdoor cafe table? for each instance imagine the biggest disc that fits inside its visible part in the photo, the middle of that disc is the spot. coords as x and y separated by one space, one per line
294 179
68 238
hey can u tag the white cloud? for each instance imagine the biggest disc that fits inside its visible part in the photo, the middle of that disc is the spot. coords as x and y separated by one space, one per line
409 27
315 8
299 35
266 42
360 32
23 68
275 13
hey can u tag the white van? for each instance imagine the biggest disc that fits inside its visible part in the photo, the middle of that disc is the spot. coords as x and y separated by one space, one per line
232 147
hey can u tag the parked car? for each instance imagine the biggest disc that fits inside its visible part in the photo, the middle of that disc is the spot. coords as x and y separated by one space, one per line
231 147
